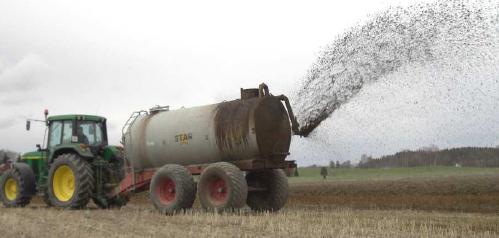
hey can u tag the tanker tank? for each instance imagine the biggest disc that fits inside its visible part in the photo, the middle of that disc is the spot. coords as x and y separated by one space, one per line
253 132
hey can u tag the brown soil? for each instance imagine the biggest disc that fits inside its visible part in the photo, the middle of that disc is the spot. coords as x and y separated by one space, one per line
477 193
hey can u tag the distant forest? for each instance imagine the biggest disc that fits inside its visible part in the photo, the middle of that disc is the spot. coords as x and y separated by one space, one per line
432 156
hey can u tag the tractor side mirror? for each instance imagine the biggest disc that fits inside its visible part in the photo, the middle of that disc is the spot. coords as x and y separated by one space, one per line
28 125
38 147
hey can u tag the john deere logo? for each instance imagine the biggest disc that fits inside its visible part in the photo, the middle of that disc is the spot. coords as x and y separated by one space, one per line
183 139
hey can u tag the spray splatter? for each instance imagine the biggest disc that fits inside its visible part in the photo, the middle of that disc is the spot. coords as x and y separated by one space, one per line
390 40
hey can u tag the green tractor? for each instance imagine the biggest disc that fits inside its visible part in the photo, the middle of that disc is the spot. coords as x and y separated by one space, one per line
76 165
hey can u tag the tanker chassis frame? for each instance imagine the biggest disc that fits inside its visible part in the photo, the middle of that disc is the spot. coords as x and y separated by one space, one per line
139 181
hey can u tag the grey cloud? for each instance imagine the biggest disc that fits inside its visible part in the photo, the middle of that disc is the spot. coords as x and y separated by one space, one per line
22 75
7 122
18 99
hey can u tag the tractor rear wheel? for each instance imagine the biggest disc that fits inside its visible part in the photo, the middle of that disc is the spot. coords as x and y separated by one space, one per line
18 186
71 182
172 189
272 194
222 187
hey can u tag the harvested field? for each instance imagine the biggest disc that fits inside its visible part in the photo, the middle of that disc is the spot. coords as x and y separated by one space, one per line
471 193
455 206
143 221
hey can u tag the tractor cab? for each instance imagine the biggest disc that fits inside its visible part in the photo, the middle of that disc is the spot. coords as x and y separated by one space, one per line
81 133
85 135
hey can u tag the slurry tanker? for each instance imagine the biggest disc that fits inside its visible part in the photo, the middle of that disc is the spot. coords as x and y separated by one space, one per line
238 148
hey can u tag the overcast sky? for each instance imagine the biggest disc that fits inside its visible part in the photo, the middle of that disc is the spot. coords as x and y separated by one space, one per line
114 57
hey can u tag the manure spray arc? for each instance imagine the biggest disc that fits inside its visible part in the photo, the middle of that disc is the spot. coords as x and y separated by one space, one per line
447 33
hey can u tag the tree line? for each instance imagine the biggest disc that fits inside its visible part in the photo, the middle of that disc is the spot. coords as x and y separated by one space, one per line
465 156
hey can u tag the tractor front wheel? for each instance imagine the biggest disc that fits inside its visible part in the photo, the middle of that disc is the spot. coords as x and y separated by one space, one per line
71 182
18 186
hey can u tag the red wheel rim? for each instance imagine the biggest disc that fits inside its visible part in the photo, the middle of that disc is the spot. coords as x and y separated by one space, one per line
218 190
166 191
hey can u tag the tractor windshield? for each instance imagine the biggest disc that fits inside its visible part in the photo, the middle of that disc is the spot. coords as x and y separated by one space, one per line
90 132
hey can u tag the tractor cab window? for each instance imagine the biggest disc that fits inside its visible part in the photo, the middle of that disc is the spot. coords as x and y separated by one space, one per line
67 132
55 134
89 132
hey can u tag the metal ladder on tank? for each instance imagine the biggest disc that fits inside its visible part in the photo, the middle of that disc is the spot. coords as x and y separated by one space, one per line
124 131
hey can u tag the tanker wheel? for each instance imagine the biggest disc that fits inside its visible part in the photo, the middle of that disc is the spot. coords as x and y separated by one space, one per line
172 189
274 190
70 182
18 186
222 187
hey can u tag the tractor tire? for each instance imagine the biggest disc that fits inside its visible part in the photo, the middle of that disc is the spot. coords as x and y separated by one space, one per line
172 189
18 186
275 190
70 182
222 187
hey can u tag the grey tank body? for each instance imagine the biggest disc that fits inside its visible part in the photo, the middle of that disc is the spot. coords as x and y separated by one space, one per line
256 128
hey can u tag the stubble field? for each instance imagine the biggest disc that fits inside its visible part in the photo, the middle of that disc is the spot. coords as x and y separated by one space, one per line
455 202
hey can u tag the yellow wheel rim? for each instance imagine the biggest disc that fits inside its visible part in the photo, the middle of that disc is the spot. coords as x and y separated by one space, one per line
63 183
10 189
